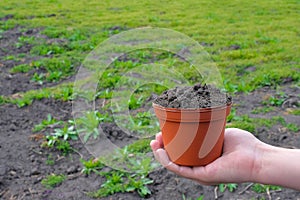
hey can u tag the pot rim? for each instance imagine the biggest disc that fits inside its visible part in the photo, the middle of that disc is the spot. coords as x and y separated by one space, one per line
157 106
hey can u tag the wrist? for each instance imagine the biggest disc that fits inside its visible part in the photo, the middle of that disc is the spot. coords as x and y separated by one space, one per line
277 166
263 162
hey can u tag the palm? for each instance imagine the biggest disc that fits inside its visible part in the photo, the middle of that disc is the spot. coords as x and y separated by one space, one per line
235 165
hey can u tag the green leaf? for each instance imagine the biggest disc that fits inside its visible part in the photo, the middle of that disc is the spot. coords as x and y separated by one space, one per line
231 187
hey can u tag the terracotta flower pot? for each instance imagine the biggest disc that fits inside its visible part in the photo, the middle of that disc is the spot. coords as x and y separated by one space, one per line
192 137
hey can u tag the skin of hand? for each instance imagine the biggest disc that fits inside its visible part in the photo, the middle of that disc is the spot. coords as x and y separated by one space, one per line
244 159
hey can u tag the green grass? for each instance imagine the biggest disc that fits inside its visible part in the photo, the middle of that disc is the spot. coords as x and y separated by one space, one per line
260 188
89 122
295 112
55 68
123 182
264 109
230 186
92 165
268 46
53 180
62 92
201 197
290 126
21 68
4 100
60 137
23 40
251 124
50 160
264 32
46 123
131 158
119 180
275 100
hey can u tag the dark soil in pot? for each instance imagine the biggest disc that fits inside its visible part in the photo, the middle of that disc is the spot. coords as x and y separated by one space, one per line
197 96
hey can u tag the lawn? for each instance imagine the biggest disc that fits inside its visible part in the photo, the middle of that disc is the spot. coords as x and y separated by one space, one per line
255 45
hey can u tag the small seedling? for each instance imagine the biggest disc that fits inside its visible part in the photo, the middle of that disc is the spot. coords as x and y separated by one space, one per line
141 166
66 133
114 183
230 186
138 184
109 80
279 119
232 115
63 146
46 49
290 126
293 127
230 87
52 32
92 165
3 100
39 78
117 181
53 180
54 76
260 188
59 138
50 121
23 68
200 197
1 33
24 101
66 94
134 103
139 146
106 94
88 124
276 100
22 40
242 122
240 87
11 57
62 92
142 123
134 157
295 112
142 118
50 160
267 80
265 109
187 198
26 39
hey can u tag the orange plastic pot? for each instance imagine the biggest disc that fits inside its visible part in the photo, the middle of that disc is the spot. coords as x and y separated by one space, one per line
192 137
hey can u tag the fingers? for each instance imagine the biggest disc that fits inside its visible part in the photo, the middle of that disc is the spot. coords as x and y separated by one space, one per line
154 145
195 173
159 153
157 143
159 139
162 157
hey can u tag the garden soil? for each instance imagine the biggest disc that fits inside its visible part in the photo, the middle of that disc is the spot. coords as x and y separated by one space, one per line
23 162
196 96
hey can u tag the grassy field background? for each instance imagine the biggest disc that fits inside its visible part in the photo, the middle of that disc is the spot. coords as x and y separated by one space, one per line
256 46
237 34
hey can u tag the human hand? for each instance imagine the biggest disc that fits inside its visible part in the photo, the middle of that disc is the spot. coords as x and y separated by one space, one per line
239 162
